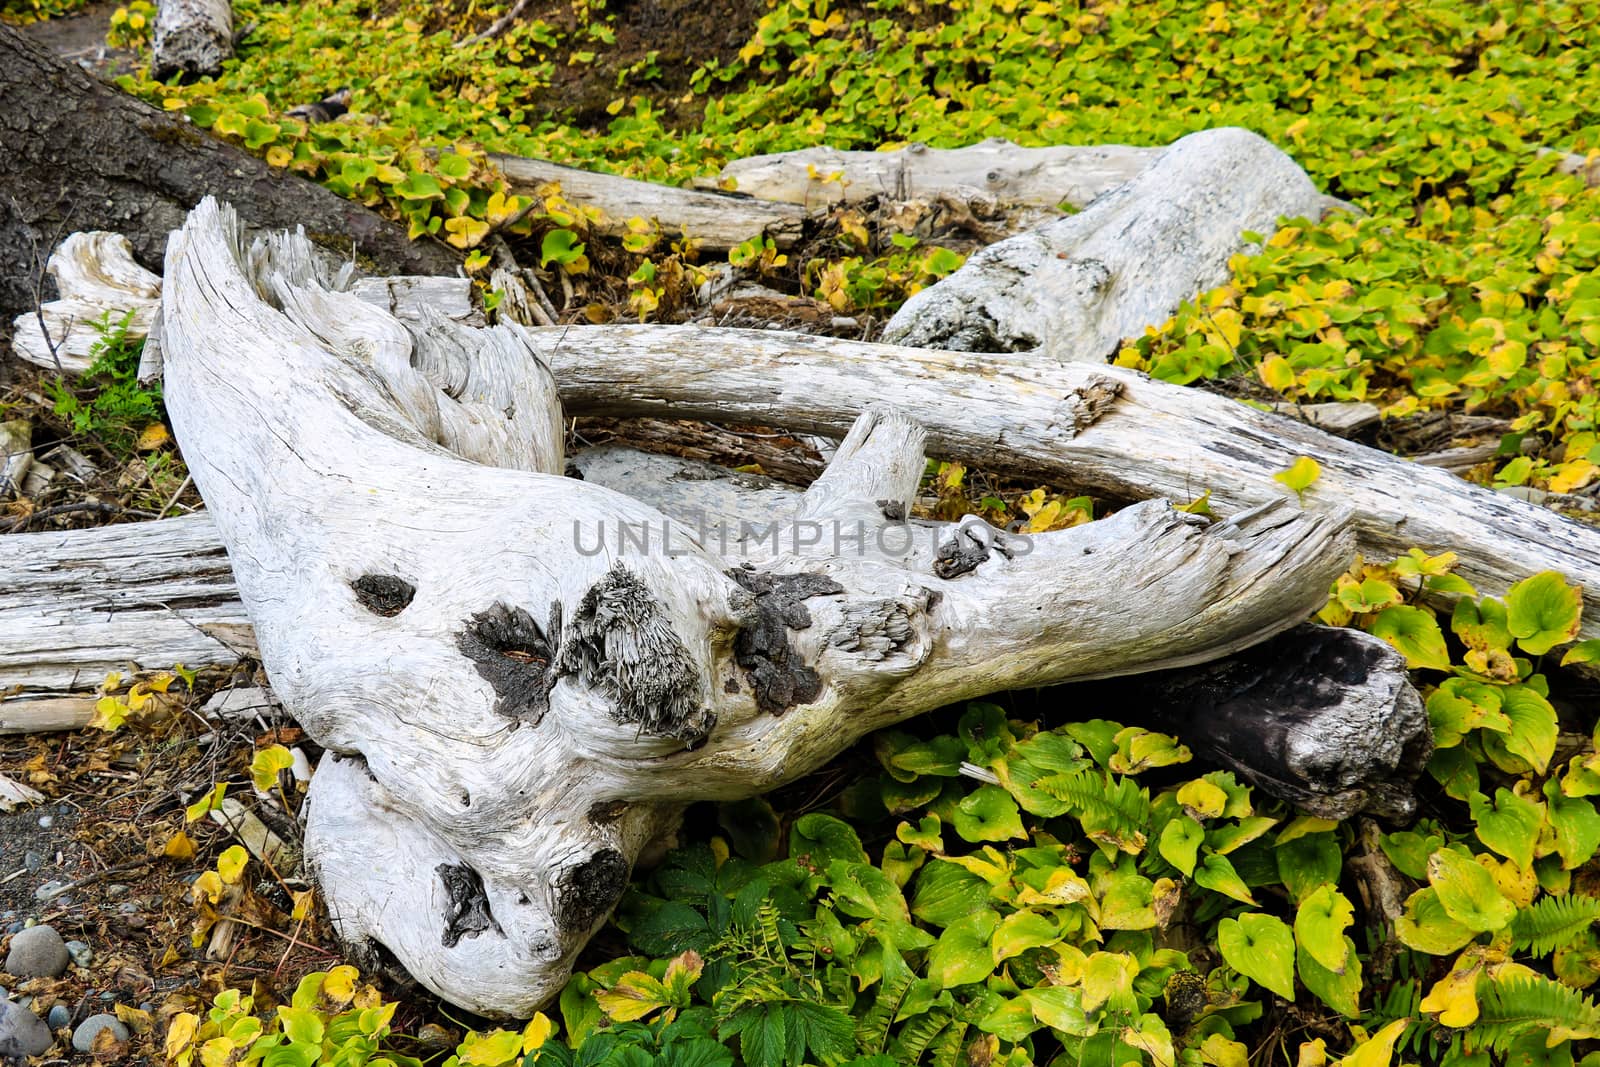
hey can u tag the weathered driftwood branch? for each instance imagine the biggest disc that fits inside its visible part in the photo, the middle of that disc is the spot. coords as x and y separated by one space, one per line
523 714
95 276
1105 430
191 37
719 221
1008 174
1073 289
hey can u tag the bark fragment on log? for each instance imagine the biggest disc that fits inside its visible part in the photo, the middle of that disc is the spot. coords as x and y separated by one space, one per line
321 465
719 221
998 169
191 37
110 162
96 276
1074 289
1324 718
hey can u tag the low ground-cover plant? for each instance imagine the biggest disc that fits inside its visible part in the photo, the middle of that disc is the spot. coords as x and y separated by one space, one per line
996 889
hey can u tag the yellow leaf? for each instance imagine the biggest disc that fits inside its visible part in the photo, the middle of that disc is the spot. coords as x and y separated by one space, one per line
267 764
218 1052
536 1033
180 1033
339 987
208 885
1221 1052
1313 1054
1202 800
1573 475
1276 373
279 156
465 231
303 902
231 864
1377 1050
1455 996
179 847
136 1020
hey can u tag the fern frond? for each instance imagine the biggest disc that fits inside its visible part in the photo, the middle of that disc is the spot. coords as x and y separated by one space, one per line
872 1033
918 1034
947 1050
1553 922
1519 1004
1110 807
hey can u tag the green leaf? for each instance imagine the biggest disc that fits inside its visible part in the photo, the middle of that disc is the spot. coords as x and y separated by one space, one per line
1509 826
1427 927
560 246
303 1026
419 185
1338 987
1576 825
1415 634
817 839
946 893
1533 725
988 813
962 954
1304 863
1261 948
1180 841
1216 873
1021 931
1543 612
1582 652
1319 926
1299 476
1468 891
453 165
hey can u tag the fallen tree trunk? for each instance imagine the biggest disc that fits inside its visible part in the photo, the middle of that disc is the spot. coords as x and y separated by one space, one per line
1074 289
191 38
523 714
719 221
1069 175
79 155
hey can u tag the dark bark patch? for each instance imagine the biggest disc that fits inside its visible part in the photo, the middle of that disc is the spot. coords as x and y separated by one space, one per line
606 812
777 674
969 547
587 892
468 913
384 594
621 643
515 655
893 510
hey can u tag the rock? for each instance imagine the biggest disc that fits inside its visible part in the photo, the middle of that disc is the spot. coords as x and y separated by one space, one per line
59 1016
80 952
49 890
83 1037
32 860
37 952
22 1033
46 821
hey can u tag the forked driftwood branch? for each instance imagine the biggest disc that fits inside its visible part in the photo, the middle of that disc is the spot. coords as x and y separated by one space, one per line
519 714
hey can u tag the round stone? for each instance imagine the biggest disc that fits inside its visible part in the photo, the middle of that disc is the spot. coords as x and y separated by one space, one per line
83 1037
37 952
22 1033
80 952
58 1016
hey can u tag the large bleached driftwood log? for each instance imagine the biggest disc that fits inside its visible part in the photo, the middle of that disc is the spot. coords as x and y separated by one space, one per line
1010 175
191 37
1073 289
719 221
1256 720
522 711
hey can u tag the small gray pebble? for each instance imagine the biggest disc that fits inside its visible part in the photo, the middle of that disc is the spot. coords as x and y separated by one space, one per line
108 995
128 907
16 927
80 952
32 860
4 992
22 1032
59 1016
48 890
46 821
116 891
37 952
83 1037
147 1007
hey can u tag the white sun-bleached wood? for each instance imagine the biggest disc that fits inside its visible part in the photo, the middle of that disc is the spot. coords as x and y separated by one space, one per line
191 37
995 169
95 274
1073 289
521 717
